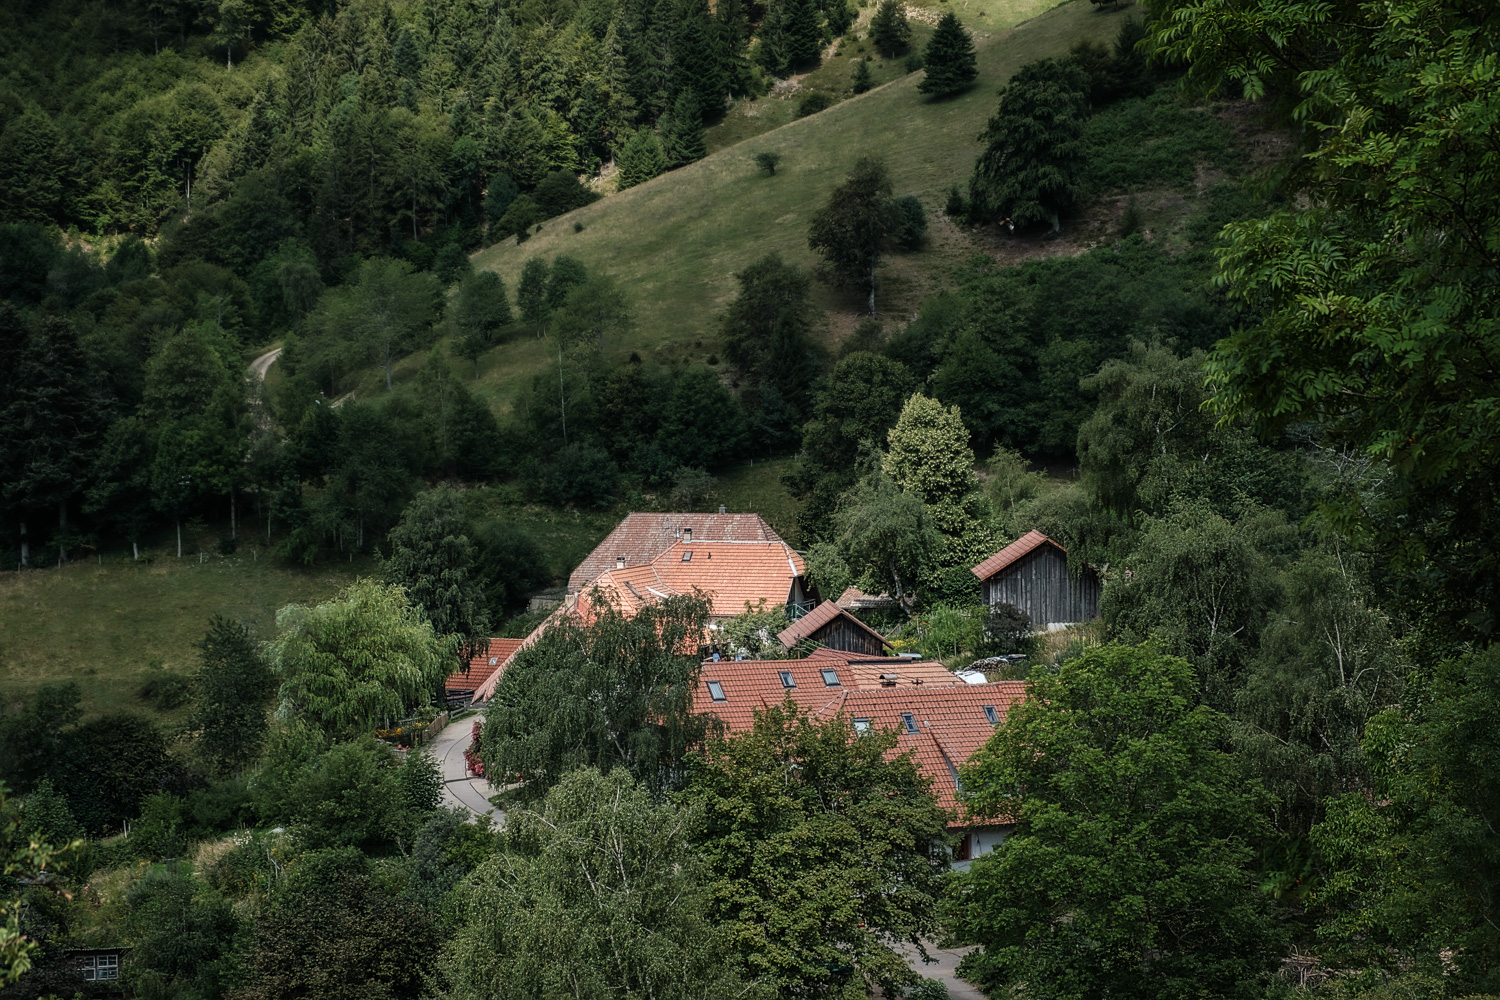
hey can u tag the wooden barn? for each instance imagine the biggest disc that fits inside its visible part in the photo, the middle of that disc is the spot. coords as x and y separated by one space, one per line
1032 574
831 627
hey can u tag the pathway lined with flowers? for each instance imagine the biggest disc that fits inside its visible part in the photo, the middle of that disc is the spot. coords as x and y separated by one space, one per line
460 788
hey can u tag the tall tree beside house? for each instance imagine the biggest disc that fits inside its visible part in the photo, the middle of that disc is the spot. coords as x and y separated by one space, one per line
949 59
365 658
1151 894
602 894
434 560
854 229
612 691
885 537
820 849
234 689
929 458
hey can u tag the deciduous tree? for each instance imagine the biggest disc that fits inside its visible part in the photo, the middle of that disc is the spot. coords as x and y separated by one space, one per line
853 230
433 559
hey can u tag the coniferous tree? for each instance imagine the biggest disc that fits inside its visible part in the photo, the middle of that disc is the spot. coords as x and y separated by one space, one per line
804 33
771 45
642 159
734 34
1030 170
234 687
889 29
860 78
949 59
697 63
684 136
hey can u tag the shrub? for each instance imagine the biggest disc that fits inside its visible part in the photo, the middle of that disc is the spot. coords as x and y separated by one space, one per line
913 230
166 691
814 102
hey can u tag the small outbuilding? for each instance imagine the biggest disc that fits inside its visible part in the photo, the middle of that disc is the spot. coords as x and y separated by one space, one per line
829 626
1031 573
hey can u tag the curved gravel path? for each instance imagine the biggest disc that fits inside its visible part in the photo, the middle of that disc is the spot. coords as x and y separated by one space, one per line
263 363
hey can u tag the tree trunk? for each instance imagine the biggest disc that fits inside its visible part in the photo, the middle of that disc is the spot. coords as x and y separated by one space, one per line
234 531
872 290
562 399
62 531
135 550
25 546
387 366
179 537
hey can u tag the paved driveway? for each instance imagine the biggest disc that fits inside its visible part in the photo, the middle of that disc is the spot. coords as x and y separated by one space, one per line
459 789
945 969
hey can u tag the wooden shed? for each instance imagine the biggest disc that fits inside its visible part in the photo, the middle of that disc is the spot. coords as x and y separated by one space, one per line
831 627
1032 574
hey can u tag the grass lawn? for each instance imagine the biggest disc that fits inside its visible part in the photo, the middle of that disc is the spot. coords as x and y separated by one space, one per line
111 626
755 488
677 241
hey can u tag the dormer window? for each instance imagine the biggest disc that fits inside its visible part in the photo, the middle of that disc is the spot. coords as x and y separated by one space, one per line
908 722
861 726
716 691
787 680
992 715
830 678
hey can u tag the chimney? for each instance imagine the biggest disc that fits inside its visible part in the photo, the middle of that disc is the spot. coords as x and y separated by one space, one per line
722 510
619 562
888 680
687 534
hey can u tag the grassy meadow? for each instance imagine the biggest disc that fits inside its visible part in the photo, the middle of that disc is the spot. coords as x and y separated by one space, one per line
111 625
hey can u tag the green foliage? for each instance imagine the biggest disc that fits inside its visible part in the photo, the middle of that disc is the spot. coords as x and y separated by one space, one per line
820 849
510 567
642 158
184 937
889 29
768 160
913 231
885 537
331 929
1413 867
233 686
948 59
434 561
852 230
766 329
600 893
753 632
1151 141
1146 894
382 315
815 101
1030 170
611 691
362 659
22 854
479 311
1203 586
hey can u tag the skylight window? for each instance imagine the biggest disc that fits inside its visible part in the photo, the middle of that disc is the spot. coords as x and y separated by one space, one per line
992 715
830 678
687 557
716 691
787 680
908 722
861 726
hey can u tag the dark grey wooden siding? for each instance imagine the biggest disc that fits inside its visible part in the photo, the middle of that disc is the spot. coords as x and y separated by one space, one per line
1039 585
841 635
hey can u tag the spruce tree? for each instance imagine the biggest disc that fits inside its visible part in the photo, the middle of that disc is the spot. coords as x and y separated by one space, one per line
771 50
234 686
804 33
734 33
889 29
861 76
950 61
642 159
685 134
697 64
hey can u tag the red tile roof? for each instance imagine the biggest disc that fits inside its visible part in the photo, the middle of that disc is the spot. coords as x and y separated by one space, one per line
815 619
482 665
730 574
950 721
640 538
853 597
1024 545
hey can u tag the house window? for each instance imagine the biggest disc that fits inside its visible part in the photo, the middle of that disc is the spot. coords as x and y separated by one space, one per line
830 678
992 715
861 726
716 690
787 680
97 967
908 722
687 557
494 660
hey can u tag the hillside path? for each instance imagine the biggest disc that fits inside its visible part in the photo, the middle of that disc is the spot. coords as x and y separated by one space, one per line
459 789
263 364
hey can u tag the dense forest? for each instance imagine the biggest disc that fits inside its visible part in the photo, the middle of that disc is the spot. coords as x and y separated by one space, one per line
1265 415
